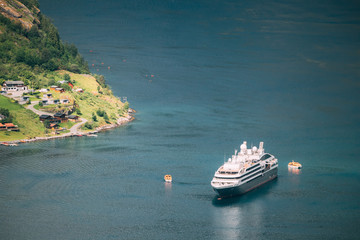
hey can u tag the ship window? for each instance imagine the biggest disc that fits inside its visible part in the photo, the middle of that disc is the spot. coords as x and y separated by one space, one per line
254 178
227 177
265 156
250 172
251 176
252 167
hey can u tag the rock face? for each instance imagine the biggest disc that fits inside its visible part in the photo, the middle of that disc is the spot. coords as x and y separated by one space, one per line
18 12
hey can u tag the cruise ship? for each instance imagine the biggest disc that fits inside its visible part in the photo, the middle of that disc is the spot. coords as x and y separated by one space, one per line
244 171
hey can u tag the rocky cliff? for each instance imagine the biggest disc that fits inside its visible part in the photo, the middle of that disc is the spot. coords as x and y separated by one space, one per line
18 12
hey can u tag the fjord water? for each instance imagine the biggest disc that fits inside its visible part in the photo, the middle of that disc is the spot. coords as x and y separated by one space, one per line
203 76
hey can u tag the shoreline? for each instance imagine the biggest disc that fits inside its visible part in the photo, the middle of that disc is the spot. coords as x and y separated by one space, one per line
119 122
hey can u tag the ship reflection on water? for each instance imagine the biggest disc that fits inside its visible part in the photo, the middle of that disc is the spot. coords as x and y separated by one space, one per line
229 221
233 222
168 187
236 217
294 171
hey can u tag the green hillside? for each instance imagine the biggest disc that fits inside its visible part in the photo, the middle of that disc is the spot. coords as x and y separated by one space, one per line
31 51
27 121
28 51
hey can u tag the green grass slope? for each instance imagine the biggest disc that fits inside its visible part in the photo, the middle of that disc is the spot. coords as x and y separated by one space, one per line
27 121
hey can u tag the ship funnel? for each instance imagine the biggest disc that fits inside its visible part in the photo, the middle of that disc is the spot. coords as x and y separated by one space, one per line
261 146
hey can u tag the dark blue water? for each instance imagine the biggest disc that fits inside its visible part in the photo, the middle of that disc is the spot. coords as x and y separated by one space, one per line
223 72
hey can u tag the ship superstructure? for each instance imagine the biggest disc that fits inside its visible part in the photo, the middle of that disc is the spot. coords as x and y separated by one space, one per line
244 171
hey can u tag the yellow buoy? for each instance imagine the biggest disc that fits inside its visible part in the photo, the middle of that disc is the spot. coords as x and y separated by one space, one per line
168 178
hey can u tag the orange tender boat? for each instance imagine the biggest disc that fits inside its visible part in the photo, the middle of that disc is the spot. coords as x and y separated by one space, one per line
295 165
168 178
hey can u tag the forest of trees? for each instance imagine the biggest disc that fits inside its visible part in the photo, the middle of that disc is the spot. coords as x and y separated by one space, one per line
26 53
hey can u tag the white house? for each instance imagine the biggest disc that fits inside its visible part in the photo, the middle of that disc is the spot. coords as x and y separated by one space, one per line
43 90
47 96
14 86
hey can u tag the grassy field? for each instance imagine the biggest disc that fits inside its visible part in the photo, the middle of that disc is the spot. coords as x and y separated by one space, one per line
27 121
67 124
85 81
92 100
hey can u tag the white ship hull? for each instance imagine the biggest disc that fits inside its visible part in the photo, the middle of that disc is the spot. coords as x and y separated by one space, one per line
248 186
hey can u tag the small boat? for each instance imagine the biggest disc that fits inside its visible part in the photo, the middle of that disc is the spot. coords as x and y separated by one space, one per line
168 178
295 165
92 135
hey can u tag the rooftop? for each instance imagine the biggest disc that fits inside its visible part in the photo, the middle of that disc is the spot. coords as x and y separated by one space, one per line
14 82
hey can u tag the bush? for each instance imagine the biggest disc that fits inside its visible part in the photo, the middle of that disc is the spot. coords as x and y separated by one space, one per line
100 113
106 118
78 112
5 112
88 125
51 65
47 124
74 68
51 82
66 87
66 77
126 107
101 80
94 117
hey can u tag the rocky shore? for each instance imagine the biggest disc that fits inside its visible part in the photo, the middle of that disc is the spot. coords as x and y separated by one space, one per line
120 121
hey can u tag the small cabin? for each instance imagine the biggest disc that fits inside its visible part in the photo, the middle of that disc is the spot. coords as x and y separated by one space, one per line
2 127
24 99
53 87
54 126
60 117
59 90
73 118
45 117
11 127
47 95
